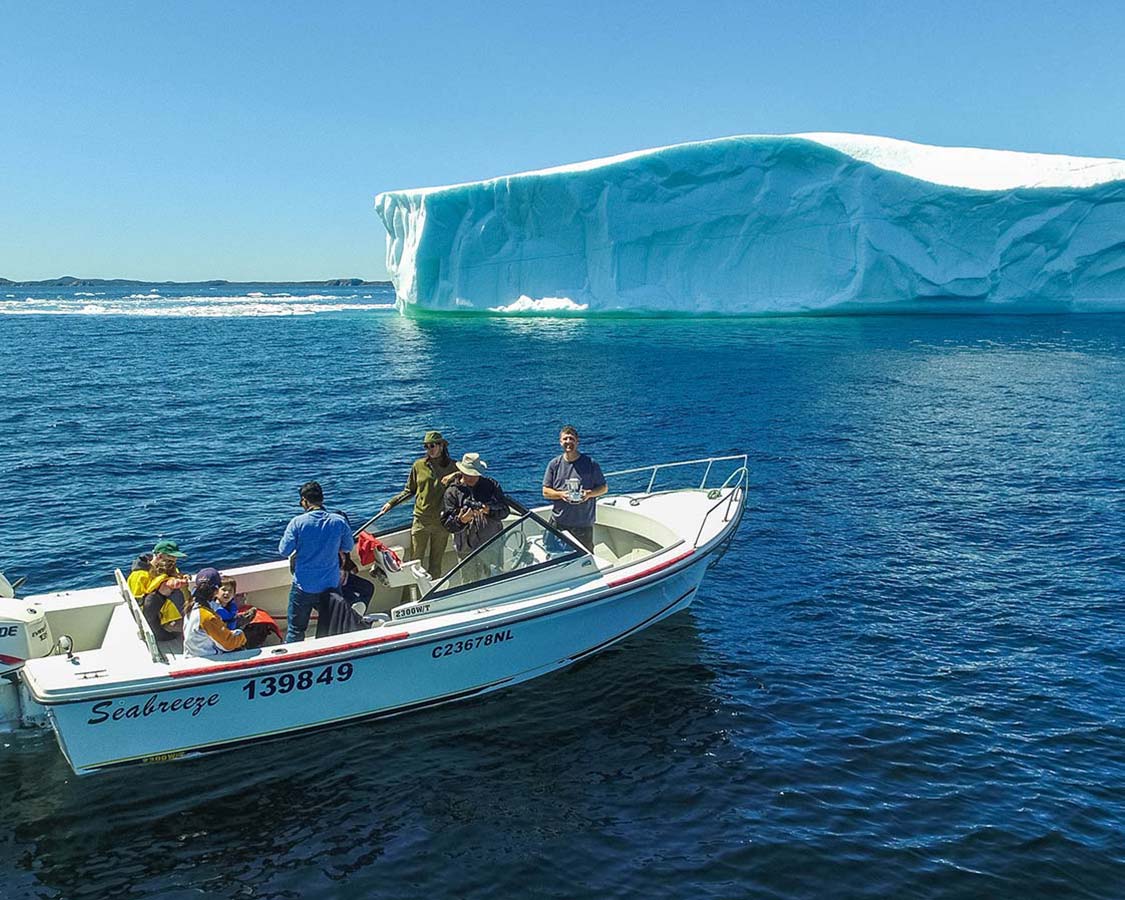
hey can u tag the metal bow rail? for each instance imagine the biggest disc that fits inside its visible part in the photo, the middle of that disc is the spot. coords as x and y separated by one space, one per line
731 494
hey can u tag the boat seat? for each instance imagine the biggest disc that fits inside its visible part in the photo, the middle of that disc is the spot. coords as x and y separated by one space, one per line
419 576
633 555
412 574
604 551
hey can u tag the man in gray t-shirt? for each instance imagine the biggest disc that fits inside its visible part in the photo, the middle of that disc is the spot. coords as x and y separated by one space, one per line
574 481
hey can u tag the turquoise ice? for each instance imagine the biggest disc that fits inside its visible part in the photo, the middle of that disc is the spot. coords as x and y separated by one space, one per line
769 224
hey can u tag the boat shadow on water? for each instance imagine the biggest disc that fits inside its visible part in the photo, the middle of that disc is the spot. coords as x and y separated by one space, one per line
521 765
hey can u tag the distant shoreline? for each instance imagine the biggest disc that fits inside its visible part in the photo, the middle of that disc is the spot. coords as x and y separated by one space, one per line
71 281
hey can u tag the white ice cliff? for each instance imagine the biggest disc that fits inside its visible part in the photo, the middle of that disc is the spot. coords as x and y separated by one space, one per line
769 224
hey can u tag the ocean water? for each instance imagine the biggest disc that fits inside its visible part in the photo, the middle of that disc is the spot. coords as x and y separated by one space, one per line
905 679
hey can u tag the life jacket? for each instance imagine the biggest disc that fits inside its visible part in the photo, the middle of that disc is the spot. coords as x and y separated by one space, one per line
370 550
263 623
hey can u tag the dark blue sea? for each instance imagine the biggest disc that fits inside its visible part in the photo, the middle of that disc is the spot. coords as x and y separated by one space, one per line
906 679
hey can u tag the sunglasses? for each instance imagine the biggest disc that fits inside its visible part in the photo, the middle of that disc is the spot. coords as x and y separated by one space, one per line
431 444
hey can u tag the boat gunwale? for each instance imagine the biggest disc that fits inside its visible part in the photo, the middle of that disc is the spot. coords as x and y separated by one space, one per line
343 653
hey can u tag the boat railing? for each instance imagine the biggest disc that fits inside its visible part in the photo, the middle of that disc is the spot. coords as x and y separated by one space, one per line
733 502
707 462
730 495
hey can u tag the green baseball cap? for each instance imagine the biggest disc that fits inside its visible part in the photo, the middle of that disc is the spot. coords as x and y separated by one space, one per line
168 548
433 437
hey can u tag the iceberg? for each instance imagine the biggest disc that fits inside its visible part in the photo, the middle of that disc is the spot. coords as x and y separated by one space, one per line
768 224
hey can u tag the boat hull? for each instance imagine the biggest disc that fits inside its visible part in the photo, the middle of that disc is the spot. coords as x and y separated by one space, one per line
217 708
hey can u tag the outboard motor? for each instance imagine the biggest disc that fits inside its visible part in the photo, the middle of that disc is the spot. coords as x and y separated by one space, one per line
24 632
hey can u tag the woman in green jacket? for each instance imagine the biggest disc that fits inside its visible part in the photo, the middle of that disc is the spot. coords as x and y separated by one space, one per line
426 484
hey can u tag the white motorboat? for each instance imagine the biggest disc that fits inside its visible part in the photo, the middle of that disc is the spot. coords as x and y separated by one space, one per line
86 664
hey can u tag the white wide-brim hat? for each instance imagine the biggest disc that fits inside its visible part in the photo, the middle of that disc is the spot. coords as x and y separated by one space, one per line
471 464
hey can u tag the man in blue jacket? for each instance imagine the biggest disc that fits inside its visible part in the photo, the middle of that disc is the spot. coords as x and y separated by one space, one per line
317 540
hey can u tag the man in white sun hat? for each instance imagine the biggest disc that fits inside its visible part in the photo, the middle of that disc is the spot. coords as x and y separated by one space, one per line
473 510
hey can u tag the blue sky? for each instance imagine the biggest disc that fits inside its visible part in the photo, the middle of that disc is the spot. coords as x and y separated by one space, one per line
187 141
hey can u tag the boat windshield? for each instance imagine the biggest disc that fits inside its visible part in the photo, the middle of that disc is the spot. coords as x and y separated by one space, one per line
526 544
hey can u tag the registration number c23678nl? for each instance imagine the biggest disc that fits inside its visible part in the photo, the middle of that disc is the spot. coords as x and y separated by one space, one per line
471 643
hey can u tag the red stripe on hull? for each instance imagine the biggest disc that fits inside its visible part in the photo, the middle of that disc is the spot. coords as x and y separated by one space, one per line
288 657
657 568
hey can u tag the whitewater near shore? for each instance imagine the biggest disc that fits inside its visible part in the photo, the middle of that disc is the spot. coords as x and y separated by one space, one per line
219 300
769 224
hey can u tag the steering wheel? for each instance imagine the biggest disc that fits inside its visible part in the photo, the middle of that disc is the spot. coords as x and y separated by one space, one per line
514 547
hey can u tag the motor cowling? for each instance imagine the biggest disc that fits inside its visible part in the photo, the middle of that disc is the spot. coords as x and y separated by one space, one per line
24 633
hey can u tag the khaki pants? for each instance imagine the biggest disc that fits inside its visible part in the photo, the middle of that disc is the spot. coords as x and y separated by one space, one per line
427 545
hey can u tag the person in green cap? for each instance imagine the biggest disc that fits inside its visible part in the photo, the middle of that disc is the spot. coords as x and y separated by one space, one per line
162 589
163 560
426 484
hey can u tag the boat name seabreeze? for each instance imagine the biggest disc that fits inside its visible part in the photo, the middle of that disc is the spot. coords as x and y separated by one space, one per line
152 706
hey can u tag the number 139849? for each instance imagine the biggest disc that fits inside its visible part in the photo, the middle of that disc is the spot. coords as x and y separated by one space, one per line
302 680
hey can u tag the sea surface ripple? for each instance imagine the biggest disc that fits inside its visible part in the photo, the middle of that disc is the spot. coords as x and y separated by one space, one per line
905 679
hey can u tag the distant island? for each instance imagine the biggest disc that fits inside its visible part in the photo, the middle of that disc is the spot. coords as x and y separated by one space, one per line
71 281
